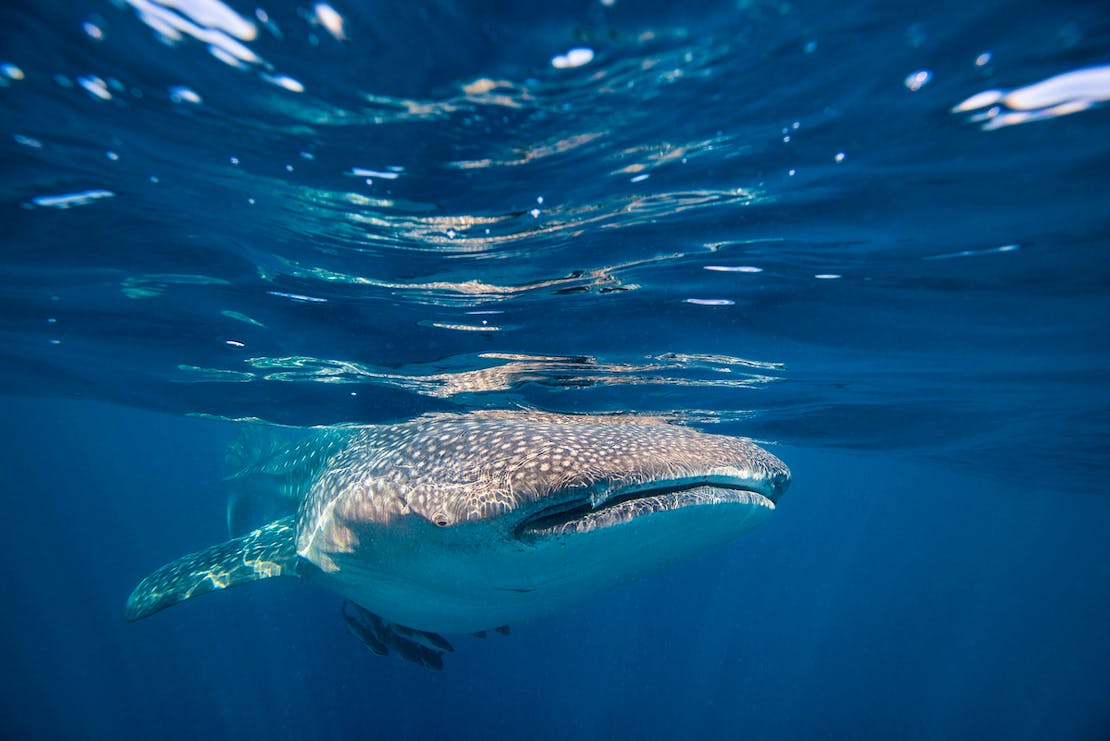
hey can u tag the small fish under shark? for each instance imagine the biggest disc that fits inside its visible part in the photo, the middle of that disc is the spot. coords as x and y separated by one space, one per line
461 523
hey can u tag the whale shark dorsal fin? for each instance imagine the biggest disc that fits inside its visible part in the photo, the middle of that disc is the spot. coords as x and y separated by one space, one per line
266 552
268 472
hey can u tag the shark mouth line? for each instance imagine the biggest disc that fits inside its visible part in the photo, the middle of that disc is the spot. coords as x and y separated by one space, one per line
581 516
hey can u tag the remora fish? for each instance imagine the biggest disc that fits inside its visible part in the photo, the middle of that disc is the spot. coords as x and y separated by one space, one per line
456 523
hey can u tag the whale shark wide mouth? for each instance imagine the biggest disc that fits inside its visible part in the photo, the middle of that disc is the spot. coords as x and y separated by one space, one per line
582 516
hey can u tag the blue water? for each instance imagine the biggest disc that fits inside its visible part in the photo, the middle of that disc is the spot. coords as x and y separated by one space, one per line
872 236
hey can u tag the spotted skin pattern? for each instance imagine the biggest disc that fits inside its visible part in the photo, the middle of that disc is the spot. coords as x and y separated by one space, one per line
471 492
456 468
260 554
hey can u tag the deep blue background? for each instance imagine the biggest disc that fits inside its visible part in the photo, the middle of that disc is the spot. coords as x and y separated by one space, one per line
940 567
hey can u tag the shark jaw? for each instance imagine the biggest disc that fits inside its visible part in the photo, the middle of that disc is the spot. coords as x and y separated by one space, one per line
589 514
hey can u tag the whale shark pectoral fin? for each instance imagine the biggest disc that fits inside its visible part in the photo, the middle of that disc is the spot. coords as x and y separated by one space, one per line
383 638
434 641
366 626
266 552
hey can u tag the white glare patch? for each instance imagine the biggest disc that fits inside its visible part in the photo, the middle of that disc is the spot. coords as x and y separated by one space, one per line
973 253
329 18
709 301
465 327
27 141
298 297
734 268
284 81
69 200
983 59
233 47
639 178
919 79
576 57
839 157
979 100
95 87
362 172
828 276
225 57
210 22
92 31
182 94
11 71
166 32
1091 84
210 13
234 343
1062 95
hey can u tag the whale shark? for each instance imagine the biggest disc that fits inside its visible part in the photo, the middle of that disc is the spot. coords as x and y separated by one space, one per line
466 522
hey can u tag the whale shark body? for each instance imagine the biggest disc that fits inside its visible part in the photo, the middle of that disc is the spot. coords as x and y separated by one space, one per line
458 523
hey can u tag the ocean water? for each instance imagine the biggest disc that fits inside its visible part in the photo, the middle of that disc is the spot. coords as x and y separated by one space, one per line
872 236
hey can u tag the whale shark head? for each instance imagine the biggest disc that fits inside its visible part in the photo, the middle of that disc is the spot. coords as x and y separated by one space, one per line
458 523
